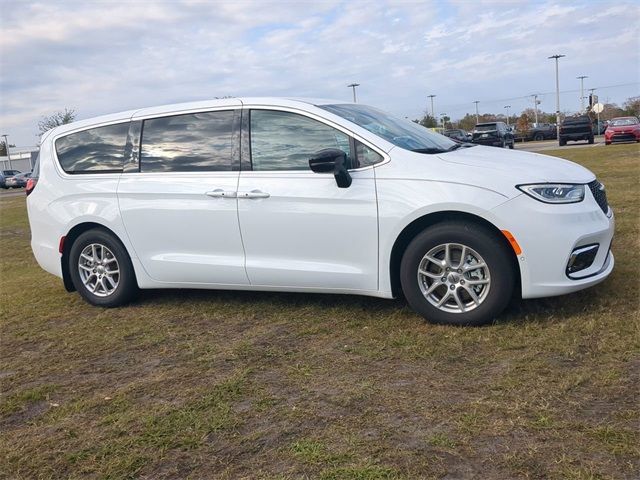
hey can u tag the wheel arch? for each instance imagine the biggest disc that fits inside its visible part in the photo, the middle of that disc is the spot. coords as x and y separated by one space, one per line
69 239
426 221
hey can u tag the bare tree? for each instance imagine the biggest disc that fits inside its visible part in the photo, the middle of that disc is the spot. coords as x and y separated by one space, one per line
55 120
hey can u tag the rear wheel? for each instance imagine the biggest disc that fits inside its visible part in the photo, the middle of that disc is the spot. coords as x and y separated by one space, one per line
563 142
101 269
591 139
457 274
538 137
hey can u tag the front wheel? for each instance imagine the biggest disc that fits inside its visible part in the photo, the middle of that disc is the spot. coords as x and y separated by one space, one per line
457 274
591 139
101 269
538 137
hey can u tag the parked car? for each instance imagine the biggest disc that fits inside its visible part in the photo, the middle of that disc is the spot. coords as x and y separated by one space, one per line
622 129
542 131
308 196
575 129
5 175
19 180
599 127
495 134
458 134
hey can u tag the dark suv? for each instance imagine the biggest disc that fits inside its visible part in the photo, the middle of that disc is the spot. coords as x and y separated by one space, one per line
495 134
576 128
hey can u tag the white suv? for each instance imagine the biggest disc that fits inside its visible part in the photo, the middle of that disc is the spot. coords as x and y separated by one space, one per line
311 196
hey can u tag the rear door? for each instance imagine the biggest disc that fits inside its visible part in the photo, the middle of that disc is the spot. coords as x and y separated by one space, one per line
178 201
298 227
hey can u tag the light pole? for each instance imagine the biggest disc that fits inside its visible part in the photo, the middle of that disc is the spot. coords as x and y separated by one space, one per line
507 107
593 101
442 115
354 85
432 114
581 78
536 102
477 114
6 145
556 57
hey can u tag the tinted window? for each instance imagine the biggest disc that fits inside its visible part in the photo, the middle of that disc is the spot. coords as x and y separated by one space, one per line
286 141
365 156
188 143
93 151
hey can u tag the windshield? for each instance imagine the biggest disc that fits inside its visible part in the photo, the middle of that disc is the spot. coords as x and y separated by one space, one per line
402 133
623 122
486 127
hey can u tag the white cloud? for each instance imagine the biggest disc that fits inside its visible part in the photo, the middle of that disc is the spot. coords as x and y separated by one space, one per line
100 57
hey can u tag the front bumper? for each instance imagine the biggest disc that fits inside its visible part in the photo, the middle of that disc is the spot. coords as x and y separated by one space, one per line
549 234
622 137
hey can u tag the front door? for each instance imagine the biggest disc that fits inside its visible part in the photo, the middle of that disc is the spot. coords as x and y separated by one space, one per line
299 228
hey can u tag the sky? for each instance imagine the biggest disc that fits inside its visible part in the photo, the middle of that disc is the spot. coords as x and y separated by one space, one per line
100 57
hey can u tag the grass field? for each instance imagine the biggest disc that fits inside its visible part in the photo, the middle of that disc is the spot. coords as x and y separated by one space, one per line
205 384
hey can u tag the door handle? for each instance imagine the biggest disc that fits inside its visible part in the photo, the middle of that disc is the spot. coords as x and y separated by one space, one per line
220 193
253 194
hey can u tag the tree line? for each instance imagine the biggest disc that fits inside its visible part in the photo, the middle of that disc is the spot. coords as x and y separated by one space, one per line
630 107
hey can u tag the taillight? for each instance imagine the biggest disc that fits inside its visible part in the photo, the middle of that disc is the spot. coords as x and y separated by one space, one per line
31 184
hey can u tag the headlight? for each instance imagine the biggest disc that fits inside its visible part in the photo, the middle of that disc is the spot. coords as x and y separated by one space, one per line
554 192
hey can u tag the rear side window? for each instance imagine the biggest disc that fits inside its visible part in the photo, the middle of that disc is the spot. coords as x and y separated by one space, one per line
188 143
96 150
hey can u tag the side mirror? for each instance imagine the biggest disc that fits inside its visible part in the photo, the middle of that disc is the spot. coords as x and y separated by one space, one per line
331 160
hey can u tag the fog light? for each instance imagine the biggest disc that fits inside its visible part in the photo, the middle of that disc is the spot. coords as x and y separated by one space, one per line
581 258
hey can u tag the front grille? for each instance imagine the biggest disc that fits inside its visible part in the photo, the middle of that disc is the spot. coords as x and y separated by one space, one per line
623 137
597 189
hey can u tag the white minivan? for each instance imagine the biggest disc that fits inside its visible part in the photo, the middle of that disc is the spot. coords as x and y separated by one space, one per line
311 196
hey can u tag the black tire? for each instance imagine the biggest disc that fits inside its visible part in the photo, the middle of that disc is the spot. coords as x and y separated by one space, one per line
486 243
126 281
538 137
591 139
512 145
563 142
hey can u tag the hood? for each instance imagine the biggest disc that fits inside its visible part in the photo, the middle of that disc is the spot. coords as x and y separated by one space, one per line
523 167
623 128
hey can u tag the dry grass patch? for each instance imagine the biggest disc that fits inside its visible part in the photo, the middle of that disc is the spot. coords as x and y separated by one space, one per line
204 384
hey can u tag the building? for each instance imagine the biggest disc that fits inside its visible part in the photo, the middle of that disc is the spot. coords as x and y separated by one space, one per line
22 159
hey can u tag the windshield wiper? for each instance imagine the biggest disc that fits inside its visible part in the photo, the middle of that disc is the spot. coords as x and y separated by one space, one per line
428 150
460 145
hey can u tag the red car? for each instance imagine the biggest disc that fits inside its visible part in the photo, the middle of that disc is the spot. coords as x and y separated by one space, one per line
622 129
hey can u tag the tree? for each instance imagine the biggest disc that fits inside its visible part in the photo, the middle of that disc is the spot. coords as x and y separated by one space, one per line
427 121
523 123
631 106
3 148
467 122
611 110
55 120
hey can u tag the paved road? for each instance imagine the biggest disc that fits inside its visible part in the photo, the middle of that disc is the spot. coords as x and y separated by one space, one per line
553 145
19 192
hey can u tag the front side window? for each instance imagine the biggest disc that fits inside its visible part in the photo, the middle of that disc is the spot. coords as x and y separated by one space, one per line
365 156
188 143
286 141
96 150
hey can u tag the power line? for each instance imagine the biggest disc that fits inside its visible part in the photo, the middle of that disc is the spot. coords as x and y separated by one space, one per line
524 97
